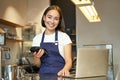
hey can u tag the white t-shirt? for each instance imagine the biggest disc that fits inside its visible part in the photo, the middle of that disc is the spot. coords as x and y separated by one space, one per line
63 39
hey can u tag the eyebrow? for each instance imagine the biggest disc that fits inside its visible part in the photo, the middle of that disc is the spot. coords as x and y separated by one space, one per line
55 17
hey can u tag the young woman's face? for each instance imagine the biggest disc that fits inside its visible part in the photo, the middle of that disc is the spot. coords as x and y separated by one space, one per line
52 19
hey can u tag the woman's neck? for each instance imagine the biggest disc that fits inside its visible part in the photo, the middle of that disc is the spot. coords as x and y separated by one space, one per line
48 32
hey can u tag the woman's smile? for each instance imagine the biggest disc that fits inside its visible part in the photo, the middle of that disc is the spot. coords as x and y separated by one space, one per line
51 24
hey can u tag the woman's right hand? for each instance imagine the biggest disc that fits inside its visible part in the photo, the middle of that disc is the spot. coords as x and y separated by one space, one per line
39 53
37 56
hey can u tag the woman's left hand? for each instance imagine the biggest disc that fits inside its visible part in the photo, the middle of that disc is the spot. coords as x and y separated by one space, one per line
63 72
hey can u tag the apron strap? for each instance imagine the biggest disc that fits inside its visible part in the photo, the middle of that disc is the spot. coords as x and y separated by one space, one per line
56 36
43 37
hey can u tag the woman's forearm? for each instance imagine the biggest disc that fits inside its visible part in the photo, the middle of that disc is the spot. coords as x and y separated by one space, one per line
68 56
68 65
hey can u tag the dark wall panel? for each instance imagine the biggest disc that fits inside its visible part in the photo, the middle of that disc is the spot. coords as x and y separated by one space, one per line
69 13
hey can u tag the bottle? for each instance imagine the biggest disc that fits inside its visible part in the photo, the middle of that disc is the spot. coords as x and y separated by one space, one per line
7 54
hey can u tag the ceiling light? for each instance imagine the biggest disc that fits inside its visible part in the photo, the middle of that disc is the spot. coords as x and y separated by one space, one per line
88 9
77 2
90 13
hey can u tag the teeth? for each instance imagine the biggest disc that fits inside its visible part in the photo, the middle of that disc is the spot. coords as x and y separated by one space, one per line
51 25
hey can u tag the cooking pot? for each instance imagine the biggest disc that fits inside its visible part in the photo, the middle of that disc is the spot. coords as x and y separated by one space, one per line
9 72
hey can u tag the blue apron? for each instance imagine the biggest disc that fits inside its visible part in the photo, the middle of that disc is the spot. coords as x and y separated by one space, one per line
52 62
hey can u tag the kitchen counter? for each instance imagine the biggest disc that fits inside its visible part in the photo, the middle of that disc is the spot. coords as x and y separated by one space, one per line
55 77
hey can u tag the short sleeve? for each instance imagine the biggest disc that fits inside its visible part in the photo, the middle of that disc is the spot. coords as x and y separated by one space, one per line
64 39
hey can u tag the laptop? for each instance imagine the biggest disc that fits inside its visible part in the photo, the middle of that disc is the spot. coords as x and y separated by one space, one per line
92 62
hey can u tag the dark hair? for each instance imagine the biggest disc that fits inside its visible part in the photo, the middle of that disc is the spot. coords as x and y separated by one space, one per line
54 7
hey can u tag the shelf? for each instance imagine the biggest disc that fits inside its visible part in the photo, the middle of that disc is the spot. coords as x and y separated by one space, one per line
15 40
14 25
5 22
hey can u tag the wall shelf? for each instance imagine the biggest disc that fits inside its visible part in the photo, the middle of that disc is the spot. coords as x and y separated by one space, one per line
12 29
14 40
5 22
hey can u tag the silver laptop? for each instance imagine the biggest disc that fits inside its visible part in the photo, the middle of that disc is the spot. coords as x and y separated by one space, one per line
92 62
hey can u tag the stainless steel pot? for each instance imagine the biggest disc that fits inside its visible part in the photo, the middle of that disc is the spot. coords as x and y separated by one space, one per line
9 72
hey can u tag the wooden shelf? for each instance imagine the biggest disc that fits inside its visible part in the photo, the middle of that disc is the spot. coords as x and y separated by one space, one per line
5 22
14 40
